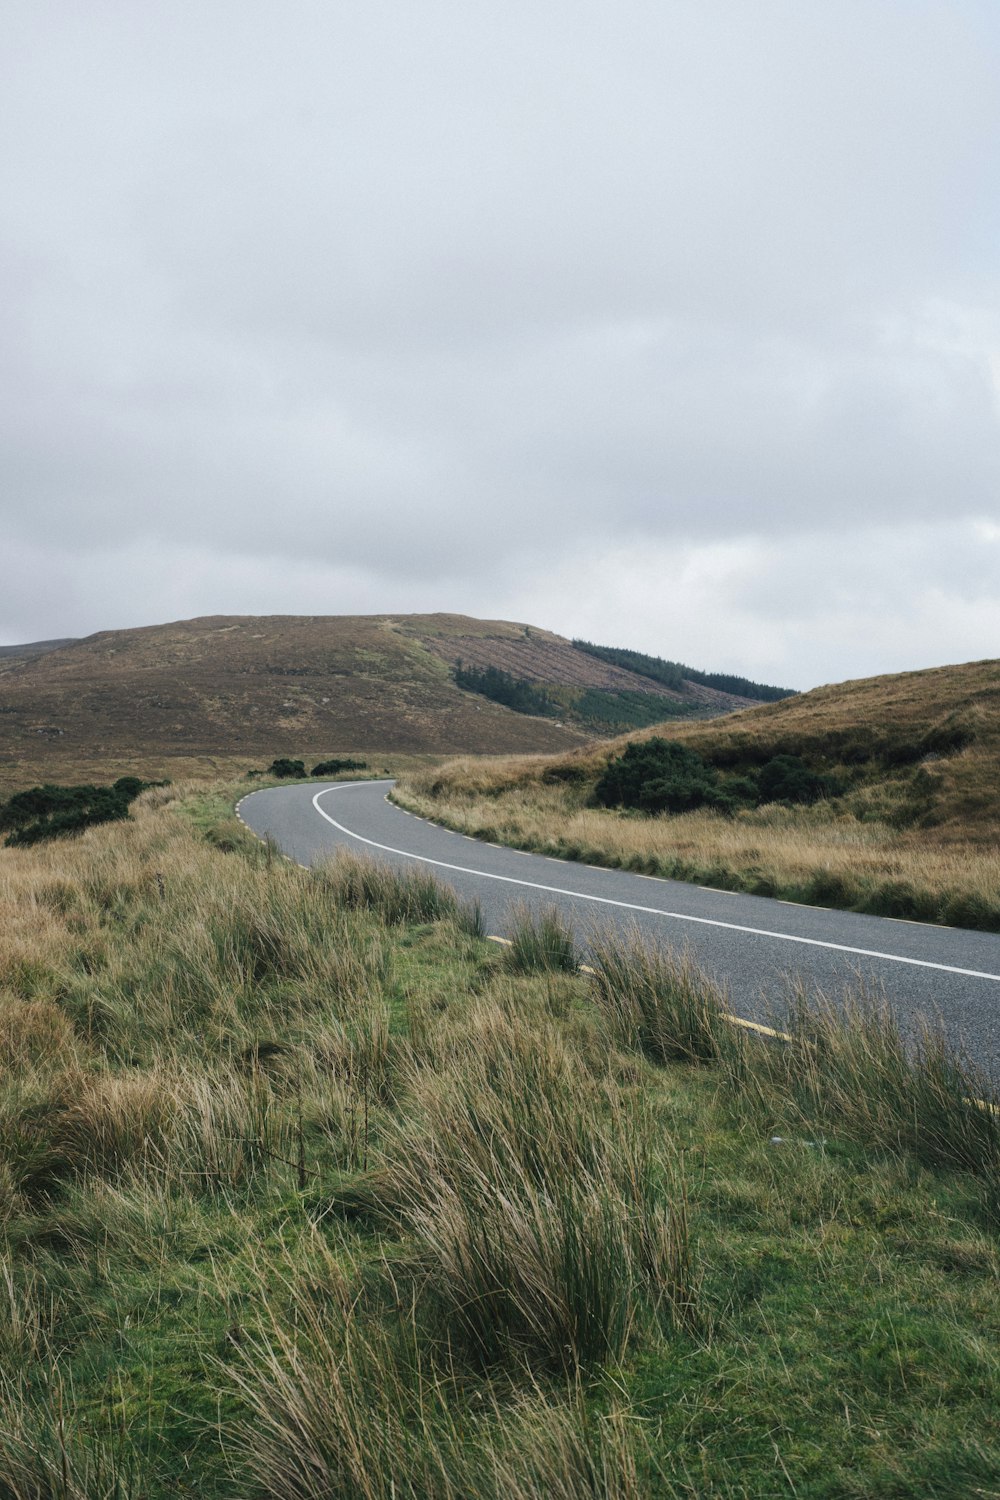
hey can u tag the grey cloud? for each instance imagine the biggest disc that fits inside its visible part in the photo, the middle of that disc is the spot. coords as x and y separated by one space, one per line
411 291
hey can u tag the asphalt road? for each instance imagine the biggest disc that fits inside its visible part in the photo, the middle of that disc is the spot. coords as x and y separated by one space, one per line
758 948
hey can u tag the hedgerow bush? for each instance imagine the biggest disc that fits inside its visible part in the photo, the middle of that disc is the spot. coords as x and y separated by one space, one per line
787 778
660 775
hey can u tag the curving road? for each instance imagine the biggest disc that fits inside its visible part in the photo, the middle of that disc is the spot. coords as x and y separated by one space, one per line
757 947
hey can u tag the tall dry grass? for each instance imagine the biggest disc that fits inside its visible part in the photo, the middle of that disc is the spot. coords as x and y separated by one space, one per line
656 1002
823 855
541 1224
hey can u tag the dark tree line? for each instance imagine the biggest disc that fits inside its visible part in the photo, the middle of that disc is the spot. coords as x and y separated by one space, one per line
673 674
502 687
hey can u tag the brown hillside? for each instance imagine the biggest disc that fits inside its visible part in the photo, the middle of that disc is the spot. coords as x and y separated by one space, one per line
9 655
876 729
540 656
202 692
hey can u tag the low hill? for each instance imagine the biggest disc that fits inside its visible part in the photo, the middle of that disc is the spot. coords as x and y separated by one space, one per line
908 827
873 733
30 649
227 691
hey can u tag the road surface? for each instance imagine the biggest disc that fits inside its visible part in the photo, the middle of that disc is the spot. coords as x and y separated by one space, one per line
758 948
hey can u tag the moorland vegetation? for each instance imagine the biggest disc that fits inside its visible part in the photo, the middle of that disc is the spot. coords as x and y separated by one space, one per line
286 767
309 1191
210 696
881 796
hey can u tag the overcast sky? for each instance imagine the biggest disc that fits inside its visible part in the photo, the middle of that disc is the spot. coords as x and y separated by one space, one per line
672 324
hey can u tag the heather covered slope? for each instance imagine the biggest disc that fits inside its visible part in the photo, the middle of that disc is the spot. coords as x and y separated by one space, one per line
248 687
224 692
911 829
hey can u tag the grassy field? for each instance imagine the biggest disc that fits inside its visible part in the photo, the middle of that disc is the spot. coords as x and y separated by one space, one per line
307 1190
914 831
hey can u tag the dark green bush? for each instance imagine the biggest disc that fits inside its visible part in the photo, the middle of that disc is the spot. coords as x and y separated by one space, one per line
286 767
742 790
659 775
334 767
50 811
787 778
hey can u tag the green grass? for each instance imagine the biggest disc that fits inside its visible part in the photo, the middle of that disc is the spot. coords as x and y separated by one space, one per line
308 1190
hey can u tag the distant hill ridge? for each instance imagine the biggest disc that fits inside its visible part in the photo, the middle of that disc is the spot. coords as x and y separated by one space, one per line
36 648
196 694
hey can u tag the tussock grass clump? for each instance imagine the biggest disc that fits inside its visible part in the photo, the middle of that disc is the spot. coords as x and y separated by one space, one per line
655 1000
392 895
342 1410
851 1068
529 1189
540 942
469 919
32 1032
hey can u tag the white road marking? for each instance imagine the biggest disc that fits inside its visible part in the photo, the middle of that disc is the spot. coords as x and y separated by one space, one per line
655 911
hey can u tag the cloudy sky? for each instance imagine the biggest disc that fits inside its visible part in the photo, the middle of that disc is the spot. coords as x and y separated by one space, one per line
668 323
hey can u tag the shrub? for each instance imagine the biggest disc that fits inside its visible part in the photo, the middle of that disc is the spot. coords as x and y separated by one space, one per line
787 778
285 767
334 767
50 811
658 775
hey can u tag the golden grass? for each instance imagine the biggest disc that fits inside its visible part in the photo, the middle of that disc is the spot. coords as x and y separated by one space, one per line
811 854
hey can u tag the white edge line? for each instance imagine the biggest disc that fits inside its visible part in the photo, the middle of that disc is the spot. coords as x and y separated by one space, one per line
655 911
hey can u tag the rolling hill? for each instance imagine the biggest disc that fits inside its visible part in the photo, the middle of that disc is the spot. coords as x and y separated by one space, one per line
223 692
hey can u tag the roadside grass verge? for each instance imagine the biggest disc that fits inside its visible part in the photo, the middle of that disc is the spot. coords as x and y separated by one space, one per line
306 1191
853 857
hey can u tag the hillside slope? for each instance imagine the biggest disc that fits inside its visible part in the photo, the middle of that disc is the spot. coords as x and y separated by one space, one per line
911 831
10 655
211 693
250 687
875 733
